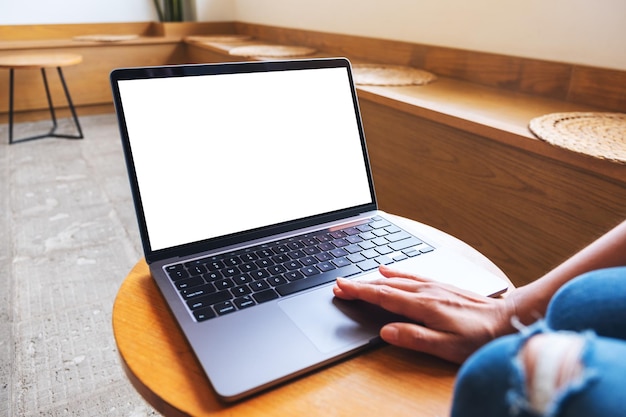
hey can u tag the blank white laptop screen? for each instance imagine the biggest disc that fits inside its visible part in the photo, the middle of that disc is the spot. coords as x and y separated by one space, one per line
260 149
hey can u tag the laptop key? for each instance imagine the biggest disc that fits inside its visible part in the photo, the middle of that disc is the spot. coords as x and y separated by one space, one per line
339 262
264 296
212 276
370 253
242 279
325 266
224 284
398 236
260 274
258 286
241 290
233 261
215 265
231 272
204 314
368 265
224 308
315 280
405 243
184 284
277 280
209 300
384 260
293 265
197 270
426 249
384 250
197 291
339 252
249 257
310 270
244 302
293 275
177 273
308 261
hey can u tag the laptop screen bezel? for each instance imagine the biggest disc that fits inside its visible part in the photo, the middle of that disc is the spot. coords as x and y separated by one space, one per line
151 255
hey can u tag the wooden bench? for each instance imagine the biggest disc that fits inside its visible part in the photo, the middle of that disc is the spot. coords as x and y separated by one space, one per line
455 154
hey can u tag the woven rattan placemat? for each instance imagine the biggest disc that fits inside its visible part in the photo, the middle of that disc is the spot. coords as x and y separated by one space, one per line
599 134
272 51
105 38
390 75
225 38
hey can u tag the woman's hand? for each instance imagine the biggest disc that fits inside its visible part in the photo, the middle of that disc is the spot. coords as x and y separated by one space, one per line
453 323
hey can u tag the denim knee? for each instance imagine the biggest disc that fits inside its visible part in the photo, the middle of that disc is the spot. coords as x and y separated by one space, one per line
593 301
485 380
492 382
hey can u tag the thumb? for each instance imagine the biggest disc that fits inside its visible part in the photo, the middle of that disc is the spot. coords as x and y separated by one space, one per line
422 339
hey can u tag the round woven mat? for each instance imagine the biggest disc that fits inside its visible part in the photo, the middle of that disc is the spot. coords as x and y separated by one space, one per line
602 135
105 38
226 38
271 51
390 75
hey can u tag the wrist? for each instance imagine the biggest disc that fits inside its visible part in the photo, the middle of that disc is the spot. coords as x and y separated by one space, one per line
526 305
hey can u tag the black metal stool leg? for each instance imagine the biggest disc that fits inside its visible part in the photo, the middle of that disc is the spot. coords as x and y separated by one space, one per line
53 115
11 106
52 132
72 109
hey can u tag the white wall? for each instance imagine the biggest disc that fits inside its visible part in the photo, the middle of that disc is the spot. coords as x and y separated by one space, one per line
589 32
33 12
215 10
29 12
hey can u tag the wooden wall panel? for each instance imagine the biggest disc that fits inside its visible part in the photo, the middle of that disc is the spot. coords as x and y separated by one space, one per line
525 212
599 87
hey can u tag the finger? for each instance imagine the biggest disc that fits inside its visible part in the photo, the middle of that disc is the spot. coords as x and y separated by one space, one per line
394 273
350 289
393 299
343 289
422 339
419 282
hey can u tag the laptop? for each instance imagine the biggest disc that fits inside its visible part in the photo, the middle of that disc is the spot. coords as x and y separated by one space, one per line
253 193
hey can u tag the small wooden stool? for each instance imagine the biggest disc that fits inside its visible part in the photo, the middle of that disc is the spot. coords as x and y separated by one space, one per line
42 61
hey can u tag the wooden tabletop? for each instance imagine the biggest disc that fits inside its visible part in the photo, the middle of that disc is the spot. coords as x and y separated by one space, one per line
381 381
39 60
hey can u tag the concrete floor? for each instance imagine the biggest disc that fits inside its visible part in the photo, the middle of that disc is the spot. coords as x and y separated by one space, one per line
68 239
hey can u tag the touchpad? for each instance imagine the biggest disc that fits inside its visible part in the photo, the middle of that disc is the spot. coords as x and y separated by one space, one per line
331 323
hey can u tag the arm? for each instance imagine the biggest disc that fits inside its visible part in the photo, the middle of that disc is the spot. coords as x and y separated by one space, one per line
453 322
530 301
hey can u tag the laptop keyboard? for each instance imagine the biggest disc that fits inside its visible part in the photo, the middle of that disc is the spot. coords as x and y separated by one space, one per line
228 282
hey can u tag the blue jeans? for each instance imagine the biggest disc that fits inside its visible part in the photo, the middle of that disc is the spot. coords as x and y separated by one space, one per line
492 381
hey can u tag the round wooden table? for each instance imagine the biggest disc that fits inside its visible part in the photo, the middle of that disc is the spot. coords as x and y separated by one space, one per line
381 381
42 61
